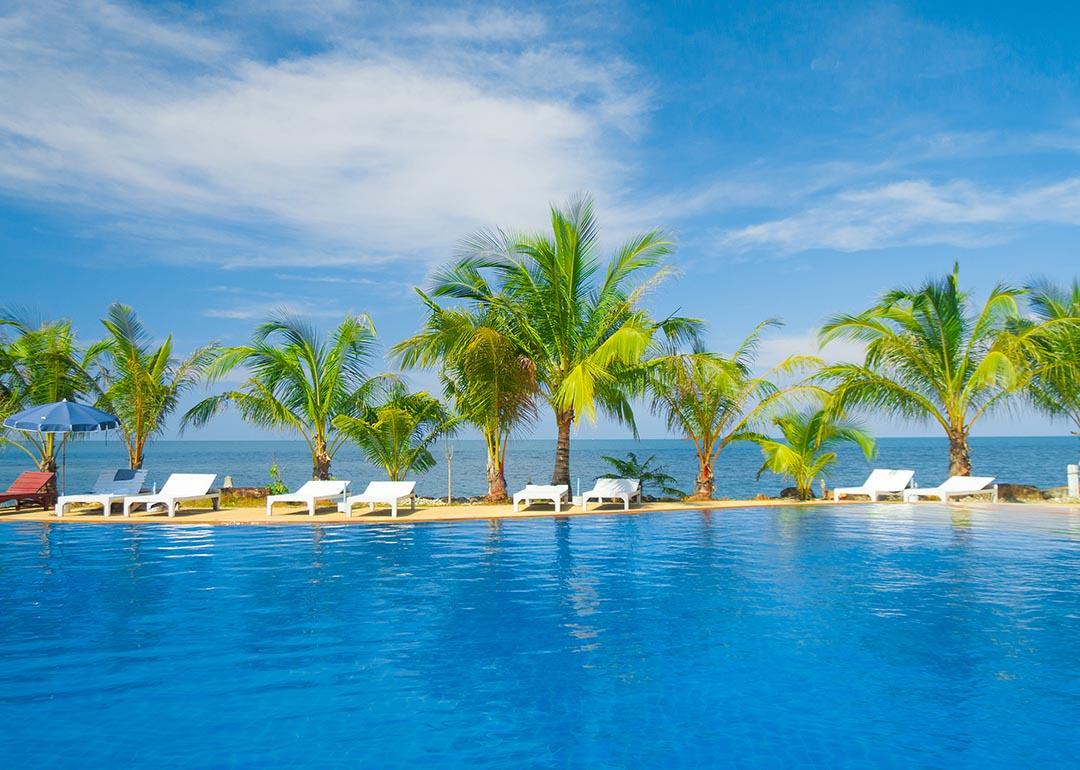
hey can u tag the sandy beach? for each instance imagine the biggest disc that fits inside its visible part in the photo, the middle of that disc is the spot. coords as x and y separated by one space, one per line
256 514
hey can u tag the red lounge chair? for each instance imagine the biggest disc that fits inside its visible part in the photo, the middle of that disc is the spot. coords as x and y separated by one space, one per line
30 488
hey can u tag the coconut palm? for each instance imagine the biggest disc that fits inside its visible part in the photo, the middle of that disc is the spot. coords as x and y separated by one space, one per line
1055 351
140 383
808 446
42 363
397 428
299 381
491 383
932 355
645 471
578 320
714 401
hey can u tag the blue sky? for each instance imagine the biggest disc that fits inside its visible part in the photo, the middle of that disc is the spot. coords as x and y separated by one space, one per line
209 162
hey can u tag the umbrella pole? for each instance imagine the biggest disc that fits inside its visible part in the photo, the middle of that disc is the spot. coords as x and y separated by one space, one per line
63 466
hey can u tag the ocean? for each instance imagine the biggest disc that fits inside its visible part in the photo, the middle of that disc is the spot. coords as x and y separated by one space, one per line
1040 461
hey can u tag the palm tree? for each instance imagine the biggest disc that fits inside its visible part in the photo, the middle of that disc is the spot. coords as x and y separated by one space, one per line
1055 352
808 448
630 467
299 381
715 401
931 356
40 365
398 431
141 384
491 383
580 322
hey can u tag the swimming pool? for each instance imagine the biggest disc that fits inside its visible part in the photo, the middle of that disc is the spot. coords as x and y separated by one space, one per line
885 635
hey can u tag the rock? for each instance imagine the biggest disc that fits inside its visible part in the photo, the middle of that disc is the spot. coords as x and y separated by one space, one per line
790 493
243 494
1018 493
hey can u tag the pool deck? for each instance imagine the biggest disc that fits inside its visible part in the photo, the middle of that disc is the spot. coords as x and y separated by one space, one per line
202 514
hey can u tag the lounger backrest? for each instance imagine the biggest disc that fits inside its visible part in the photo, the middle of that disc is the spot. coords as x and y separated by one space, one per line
879 478
126 482
547 489
898 481
119 482
29 482
187 484
390 490
964 483
606 487
103 485
317 488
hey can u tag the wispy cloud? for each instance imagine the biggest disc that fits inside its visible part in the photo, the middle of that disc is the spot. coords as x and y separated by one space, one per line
912 212
363 151
492 24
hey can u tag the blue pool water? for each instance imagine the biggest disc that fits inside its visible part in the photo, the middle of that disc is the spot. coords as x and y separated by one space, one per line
889 636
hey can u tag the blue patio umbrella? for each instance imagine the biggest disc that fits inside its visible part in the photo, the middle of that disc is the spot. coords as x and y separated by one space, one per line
62 417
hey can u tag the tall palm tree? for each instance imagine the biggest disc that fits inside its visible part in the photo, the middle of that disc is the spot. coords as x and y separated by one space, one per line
931 355
714 401
491 383
140 383
41 364
1055 352
398 429
808 446
299 381
579 320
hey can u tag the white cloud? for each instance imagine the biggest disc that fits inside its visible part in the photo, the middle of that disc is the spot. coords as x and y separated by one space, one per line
364 153
912 212
773 350
492 24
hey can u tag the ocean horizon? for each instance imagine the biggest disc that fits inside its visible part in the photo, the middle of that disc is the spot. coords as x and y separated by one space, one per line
1036 460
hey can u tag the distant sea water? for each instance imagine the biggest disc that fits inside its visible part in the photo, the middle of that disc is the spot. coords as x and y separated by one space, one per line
1040 461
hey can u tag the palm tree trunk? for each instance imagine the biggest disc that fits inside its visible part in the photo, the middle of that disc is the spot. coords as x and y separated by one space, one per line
959 453
135 456
495 443
562 448
496 481
320 460
705 483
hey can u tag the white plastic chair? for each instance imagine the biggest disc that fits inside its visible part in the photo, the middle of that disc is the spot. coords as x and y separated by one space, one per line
111 487
385 492
556 493
613 489
956 486
310 493
881 481
178 488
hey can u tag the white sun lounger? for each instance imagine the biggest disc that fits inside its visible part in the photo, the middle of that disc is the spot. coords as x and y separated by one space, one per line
613 489
178 488
556 493
111 487
881 481
956 486
311 492
386 492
